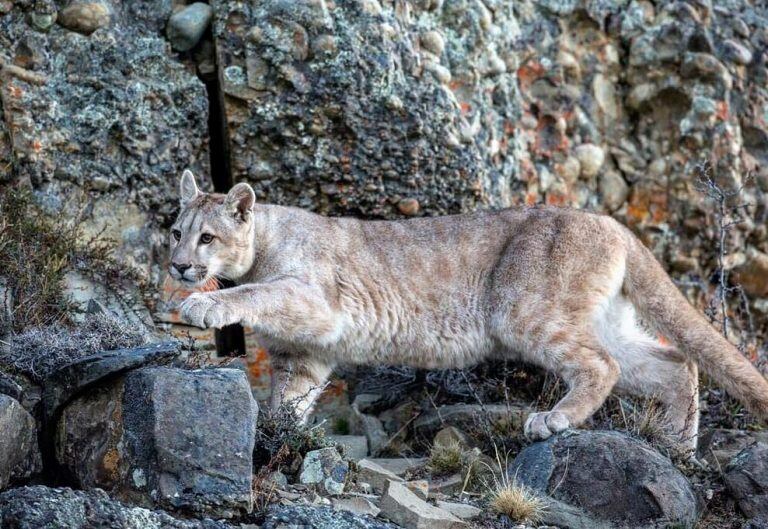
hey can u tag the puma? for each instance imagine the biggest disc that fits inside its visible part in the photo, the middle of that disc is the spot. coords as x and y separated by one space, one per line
573 292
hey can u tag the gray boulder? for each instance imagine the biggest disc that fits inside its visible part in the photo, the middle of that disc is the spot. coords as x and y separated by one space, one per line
326 469
19 454
42 507
595 479
177 439
747 479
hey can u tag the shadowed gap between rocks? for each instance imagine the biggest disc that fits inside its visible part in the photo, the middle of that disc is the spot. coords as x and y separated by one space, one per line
230 341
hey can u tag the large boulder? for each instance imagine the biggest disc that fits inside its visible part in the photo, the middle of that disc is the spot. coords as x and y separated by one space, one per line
605 479
747 479
177 439
42 507
19 455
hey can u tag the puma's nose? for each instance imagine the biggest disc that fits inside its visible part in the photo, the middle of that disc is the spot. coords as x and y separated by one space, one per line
181 268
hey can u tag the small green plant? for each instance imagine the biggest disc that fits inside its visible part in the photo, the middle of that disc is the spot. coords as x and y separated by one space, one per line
341 426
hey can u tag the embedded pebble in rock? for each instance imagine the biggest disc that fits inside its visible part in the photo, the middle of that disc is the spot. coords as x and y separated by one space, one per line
42 21
591 158
408 206
326 469
85 17
433 42
613 189
186 26
737 52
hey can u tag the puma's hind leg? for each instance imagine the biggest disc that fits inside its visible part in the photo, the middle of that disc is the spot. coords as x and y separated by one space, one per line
590 374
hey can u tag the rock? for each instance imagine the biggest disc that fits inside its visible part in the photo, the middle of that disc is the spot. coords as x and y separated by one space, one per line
395 135
133 438
294 516
356 505
613 189
399 466
746 477
37 507
467 417
719 446
591 158
371 427
278 479
446 485
19 455
375 475
752 276
355 446
366 402
326 469
419 487
408 207
81 373
406 509
186 26
460 510
605 478
433 42
84 17
736 53
451 434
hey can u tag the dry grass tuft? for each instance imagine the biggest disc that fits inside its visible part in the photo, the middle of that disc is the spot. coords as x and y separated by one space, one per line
508 497
446 458
518 502
40 351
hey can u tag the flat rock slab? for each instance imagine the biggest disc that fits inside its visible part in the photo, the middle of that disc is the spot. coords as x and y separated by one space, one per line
86 372
19 454
43 507
747 479
468 418
355 446
399 466
403 507
376 476
173 438
605 479
301 516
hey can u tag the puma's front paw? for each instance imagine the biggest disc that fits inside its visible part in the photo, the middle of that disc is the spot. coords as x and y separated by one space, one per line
207 310
542 425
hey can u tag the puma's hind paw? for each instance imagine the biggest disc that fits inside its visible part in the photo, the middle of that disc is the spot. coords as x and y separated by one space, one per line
541 425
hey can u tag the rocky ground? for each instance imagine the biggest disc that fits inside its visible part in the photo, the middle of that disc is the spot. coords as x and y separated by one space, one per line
653 112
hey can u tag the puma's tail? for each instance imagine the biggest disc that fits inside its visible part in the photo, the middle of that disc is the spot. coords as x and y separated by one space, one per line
660 303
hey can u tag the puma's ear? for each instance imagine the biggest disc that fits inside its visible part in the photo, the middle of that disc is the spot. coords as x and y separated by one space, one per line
240 201
188 187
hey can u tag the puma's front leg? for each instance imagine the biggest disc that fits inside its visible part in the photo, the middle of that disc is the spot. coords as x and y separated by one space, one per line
297 381
288 309
211 309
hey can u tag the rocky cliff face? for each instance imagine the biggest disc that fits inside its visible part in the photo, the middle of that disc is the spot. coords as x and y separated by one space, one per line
390 109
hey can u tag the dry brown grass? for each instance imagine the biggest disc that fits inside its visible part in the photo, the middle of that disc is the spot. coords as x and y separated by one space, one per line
518 502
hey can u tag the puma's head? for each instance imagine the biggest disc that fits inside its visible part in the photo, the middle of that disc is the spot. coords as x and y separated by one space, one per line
213 234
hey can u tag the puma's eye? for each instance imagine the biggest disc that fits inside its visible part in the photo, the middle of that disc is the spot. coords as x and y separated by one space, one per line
206 238
176 234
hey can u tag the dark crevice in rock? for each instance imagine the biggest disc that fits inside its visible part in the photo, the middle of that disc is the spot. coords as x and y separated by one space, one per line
230 341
